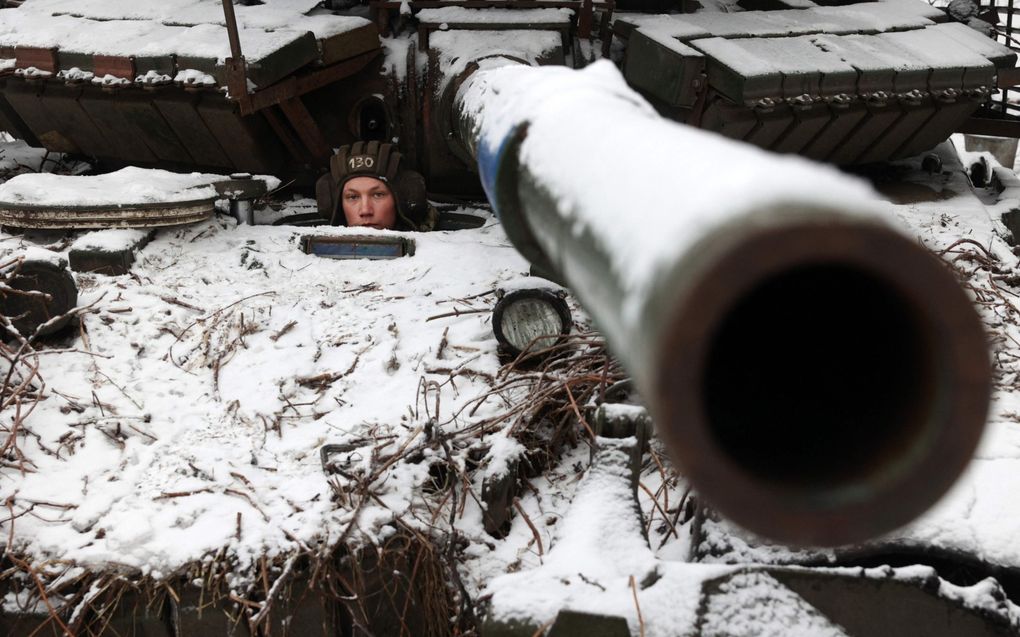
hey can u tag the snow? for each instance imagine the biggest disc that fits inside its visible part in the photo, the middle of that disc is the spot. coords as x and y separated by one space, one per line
975 41
621 411
456 49
32 72
33 253
495 16
598 552
187 405
805 68
531 283
155 78
664 38
732 55
503 451
138 38
17 156
940 51
871 17
127 186
194 77
395 54
110 240
75 74
755 604
272 15
185 28
188 418
664 26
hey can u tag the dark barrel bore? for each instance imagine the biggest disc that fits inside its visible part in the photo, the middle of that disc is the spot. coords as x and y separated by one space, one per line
825 383
818 376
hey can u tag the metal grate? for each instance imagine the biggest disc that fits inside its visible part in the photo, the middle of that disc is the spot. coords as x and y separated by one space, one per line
1007 28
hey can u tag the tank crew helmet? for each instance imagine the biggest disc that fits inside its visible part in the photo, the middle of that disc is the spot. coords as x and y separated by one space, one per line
382 162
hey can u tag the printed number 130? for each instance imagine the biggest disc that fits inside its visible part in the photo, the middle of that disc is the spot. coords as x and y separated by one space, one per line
360 161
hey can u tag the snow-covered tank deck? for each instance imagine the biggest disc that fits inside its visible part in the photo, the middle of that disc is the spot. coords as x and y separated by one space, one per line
144 83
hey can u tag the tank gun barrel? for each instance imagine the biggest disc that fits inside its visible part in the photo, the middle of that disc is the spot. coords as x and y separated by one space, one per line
819 376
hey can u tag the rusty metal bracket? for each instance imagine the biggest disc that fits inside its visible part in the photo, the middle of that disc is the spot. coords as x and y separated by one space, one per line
1007 78
237 81
295 86
307 130
44 59
698 110
286 135
237 67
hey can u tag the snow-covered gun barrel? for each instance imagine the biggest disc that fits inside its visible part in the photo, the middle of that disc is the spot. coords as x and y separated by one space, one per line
820 377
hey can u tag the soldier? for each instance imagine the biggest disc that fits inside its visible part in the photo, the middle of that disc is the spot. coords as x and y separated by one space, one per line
366 186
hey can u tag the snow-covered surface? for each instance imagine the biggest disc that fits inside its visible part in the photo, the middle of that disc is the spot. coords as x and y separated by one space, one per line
176 442
192 28
186 416
871 17
495 16
755 604
127 186
974 40
274 14
457 49
138 38
599 559
209 379
666 26
110 240
940 51
16 156
34 253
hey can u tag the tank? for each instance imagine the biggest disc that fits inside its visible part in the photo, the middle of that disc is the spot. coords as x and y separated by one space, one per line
272 88
223 88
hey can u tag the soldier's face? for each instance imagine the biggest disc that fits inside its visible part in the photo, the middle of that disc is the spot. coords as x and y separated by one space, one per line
368 201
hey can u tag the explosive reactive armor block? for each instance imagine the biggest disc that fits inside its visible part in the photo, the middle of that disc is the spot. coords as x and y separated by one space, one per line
848 84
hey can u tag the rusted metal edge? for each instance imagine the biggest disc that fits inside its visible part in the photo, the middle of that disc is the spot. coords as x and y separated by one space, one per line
307 129
503 4
151 215
1006 78
44 59
296 86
